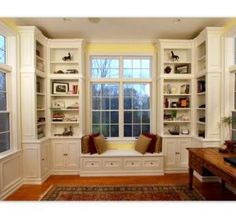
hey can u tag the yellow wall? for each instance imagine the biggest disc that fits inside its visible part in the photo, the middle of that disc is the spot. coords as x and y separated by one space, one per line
120 48
10 23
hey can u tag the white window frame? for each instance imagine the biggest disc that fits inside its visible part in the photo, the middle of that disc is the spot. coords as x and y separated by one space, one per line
121 80
12 87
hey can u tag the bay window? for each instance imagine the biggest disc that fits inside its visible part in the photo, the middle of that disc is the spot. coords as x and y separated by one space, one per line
120 95
4 108
9 92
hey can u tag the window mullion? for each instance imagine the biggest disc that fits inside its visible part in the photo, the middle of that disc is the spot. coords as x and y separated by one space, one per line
121 111
121 100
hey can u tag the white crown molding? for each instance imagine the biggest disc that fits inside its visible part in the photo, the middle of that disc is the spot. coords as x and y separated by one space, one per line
121 41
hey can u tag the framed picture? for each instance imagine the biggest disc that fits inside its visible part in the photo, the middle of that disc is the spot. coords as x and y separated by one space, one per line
60 88
183 103
182 69
184 89
58 104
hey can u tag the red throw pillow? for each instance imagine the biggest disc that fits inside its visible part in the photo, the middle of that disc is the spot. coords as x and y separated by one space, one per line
92 147
152 146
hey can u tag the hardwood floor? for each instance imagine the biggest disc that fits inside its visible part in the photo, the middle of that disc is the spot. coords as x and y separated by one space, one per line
211 191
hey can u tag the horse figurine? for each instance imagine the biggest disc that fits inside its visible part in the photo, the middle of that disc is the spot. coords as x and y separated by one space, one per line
69 57
174 57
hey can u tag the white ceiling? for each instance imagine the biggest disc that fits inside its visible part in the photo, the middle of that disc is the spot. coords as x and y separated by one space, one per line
122 28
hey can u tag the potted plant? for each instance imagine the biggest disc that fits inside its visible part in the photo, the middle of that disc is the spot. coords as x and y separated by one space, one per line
227 123
173 115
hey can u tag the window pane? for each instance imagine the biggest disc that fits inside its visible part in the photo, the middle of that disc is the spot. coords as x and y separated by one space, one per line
146 63
3 102
105 117
136 73
137 100
114 131
145 73
2 56
127 117
96 73
113 90
2 49
105 103
114 103
136 130
2 81
136 117
114 117
127 63
97 89
128 103
145 128
105 96
4 122
128 131
96 118
4 142
136 63
105 68
96 103
137 68
145 103
128 88
2 42
137 103
145 117
96 128
105 130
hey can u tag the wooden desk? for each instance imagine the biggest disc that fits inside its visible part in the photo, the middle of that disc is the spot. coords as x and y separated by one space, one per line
211 159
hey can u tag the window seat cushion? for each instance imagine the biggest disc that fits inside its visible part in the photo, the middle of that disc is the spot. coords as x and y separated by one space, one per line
120 153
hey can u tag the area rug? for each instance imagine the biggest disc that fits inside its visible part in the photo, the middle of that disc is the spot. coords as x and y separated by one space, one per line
121 193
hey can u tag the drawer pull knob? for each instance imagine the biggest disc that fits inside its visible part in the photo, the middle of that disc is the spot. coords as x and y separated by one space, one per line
65 154
111 163
132 163
92 164
151 163
42 159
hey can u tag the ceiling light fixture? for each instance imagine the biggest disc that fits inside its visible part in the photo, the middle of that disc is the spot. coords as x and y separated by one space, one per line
94 20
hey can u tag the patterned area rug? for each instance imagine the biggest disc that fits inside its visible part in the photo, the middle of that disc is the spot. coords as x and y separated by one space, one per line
121 193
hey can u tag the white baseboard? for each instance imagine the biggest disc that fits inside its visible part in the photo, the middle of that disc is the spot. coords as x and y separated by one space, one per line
65 172
38 181
11 189
176 171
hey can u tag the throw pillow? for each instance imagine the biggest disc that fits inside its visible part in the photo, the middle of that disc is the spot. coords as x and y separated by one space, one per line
152 145
100 144
92 148
158 144
85 144
142 144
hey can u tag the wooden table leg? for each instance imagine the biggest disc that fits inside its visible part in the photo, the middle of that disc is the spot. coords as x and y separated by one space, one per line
190 176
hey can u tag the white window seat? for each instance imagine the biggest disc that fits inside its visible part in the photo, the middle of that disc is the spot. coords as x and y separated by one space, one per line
116 162
120 153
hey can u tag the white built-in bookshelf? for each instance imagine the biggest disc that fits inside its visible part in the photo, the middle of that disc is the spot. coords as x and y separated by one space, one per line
65 74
